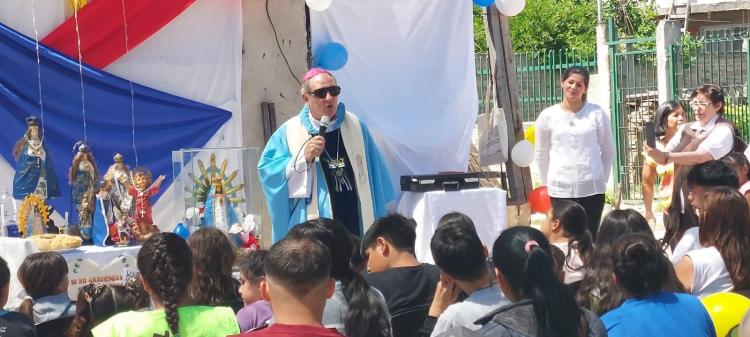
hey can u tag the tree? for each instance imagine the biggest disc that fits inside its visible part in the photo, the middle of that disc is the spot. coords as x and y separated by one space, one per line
569 24
555 24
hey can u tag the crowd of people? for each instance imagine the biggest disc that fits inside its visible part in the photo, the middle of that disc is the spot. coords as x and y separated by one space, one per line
580 274
551 282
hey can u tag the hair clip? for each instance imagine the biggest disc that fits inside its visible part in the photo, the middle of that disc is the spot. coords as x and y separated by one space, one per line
530 245
93 290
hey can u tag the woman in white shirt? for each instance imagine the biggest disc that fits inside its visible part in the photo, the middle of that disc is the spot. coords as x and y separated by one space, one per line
574 147
725 233
710 137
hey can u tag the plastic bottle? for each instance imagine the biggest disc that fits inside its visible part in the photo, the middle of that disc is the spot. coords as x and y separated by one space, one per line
8 226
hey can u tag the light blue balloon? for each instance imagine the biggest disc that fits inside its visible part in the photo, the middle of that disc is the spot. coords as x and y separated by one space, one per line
182 231
332 56
484 3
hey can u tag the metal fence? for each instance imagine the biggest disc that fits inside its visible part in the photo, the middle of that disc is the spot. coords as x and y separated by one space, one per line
539 74
538 77
724 62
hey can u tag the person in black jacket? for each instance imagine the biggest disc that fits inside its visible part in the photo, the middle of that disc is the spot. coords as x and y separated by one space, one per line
12 324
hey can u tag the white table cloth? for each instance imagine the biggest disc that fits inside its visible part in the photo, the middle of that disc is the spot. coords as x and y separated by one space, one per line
15 250
485 206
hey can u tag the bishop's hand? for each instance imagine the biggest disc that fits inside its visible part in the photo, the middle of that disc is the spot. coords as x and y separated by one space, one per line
314 148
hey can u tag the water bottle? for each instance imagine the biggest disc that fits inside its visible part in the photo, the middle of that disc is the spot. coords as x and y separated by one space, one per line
8 226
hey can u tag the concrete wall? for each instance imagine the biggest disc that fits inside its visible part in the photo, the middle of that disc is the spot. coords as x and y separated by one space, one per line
265 76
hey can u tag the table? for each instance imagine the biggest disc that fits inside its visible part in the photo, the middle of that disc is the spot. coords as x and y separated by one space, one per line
485 206
15 250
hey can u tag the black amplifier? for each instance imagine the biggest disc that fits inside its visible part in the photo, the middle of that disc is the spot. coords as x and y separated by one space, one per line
445 181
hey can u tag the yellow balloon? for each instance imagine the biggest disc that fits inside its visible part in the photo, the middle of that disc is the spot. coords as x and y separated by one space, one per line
530 133
726 311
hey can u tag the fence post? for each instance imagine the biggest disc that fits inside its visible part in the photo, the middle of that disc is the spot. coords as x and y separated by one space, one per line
667 34
602 66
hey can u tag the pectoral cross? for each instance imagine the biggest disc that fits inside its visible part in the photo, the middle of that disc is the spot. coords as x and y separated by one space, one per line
337 166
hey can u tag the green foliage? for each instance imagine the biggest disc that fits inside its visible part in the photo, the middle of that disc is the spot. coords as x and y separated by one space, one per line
571 24
740 115
555 24
480 38
633 18
689 47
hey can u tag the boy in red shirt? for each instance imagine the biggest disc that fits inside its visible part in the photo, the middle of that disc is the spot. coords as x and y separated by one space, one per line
297 284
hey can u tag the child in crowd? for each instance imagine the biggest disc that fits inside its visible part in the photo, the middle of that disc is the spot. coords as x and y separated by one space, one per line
393 268
462 259
566 228
701 179
12 324
541 306
356 309
298 283
97 303
723 264
643 273
44 277
598 291
256 311
165 264
213 257
739 162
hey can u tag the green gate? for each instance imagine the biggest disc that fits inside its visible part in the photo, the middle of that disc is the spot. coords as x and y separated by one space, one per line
634 98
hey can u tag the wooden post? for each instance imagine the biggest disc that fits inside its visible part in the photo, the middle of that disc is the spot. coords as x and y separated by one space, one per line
506 94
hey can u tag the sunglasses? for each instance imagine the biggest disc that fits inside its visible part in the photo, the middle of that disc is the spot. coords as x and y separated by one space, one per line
323 92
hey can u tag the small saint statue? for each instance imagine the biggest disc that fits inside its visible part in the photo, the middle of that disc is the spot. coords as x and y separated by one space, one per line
34 173
142 190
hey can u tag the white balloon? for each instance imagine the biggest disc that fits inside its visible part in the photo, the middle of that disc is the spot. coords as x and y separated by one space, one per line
318 5
510 7
522 153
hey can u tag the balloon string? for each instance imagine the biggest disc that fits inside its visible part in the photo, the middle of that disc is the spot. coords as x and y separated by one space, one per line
130 83
38 67
80 72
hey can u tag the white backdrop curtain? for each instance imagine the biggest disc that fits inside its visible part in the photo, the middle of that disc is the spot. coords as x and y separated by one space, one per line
410 76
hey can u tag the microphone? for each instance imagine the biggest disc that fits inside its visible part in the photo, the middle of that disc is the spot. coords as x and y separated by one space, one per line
325 123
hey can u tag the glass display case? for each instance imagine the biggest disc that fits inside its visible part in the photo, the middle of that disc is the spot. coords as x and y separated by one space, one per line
219 187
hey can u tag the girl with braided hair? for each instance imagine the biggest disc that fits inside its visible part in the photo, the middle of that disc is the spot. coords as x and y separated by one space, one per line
166 269
96 303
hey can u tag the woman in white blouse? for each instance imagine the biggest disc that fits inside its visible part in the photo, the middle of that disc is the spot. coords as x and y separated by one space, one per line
574 147
724 231
710 137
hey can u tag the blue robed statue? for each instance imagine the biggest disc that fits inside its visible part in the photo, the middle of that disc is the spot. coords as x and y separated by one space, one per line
34 173
338 174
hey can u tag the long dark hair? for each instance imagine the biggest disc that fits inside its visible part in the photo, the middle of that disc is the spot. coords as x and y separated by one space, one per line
40 275
640 265
662 114
725 224
573 219
598 291
97 303
166 265
737 160
213 257
366 316
523 256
